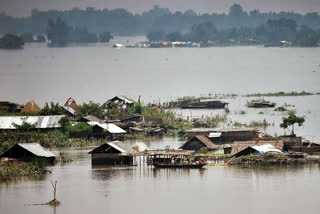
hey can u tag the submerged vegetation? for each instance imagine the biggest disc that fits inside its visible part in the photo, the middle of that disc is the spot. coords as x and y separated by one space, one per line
253 124
17 169
281 94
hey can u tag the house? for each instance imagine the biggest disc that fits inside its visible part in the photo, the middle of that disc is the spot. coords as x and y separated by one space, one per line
241 145
106 130
40 122
221 136
71 108
258 150
112 153
72 104
31 107
10 107
28 152
198 142
120 102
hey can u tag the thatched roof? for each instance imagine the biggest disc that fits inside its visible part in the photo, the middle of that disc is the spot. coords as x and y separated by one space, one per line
72 104
241 145
31 107
204 140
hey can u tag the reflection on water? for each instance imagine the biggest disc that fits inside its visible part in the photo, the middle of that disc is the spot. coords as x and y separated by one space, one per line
83 188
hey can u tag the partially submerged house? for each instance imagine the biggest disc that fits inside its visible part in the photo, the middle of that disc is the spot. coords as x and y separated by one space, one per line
28 152
198 142
241 145
106 130
258 150
31 107
9 107
112 153
224 135
120 102
40 122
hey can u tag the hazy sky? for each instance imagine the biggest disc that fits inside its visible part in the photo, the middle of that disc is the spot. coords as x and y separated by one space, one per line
24 7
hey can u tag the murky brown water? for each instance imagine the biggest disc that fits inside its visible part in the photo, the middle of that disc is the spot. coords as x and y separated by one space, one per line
83 188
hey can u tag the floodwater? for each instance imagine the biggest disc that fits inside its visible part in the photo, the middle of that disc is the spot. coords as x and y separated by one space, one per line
98 72
83 188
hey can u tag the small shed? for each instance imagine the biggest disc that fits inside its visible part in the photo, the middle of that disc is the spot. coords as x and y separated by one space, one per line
241 145
112 153
198 142
259 150
28 152
31 107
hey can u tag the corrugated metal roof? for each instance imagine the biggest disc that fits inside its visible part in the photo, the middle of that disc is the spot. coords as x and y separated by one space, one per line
110 127
41 122
70 110
215 134
37 149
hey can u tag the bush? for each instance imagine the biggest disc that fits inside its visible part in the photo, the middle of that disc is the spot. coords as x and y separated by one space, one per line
203 150
80 130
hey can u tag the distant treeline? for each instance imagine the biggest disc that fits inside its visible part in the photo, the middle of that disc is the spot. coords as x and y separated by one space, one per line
281 32
122 22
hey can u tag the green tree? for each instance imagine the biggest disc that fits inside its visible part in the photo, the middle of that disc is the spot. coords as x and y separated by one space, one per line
52 109
291 120
91 108
105 37
58 32
10 41
156 36
64 123
80 130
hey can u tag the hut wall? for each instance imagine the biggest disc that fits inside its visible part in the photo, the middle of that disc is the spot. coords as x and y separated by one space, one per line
111 159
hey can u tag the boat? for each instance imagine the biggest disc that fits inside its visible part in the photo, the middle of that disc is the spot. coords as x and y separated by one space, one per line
263 105
198 104
190 166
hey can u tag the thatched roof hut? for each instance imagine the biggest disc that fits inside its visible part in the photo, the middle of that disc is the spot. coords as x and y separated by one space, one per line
31 107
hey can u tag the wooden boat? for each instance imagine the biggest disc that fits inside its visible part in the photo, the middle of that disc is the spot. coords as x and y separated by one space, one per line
213 104
190 166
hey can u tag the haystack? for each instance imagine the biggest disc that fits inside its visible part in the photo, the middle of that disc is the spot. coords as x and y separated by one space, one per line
31 107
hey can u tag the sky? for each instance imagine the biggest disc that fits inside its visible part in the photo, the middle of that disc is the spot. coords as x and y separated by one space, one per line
20 8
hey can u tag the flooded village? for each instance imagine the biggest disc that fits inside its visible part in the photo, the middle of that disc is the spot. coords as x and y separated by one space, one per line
159 107
120 118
